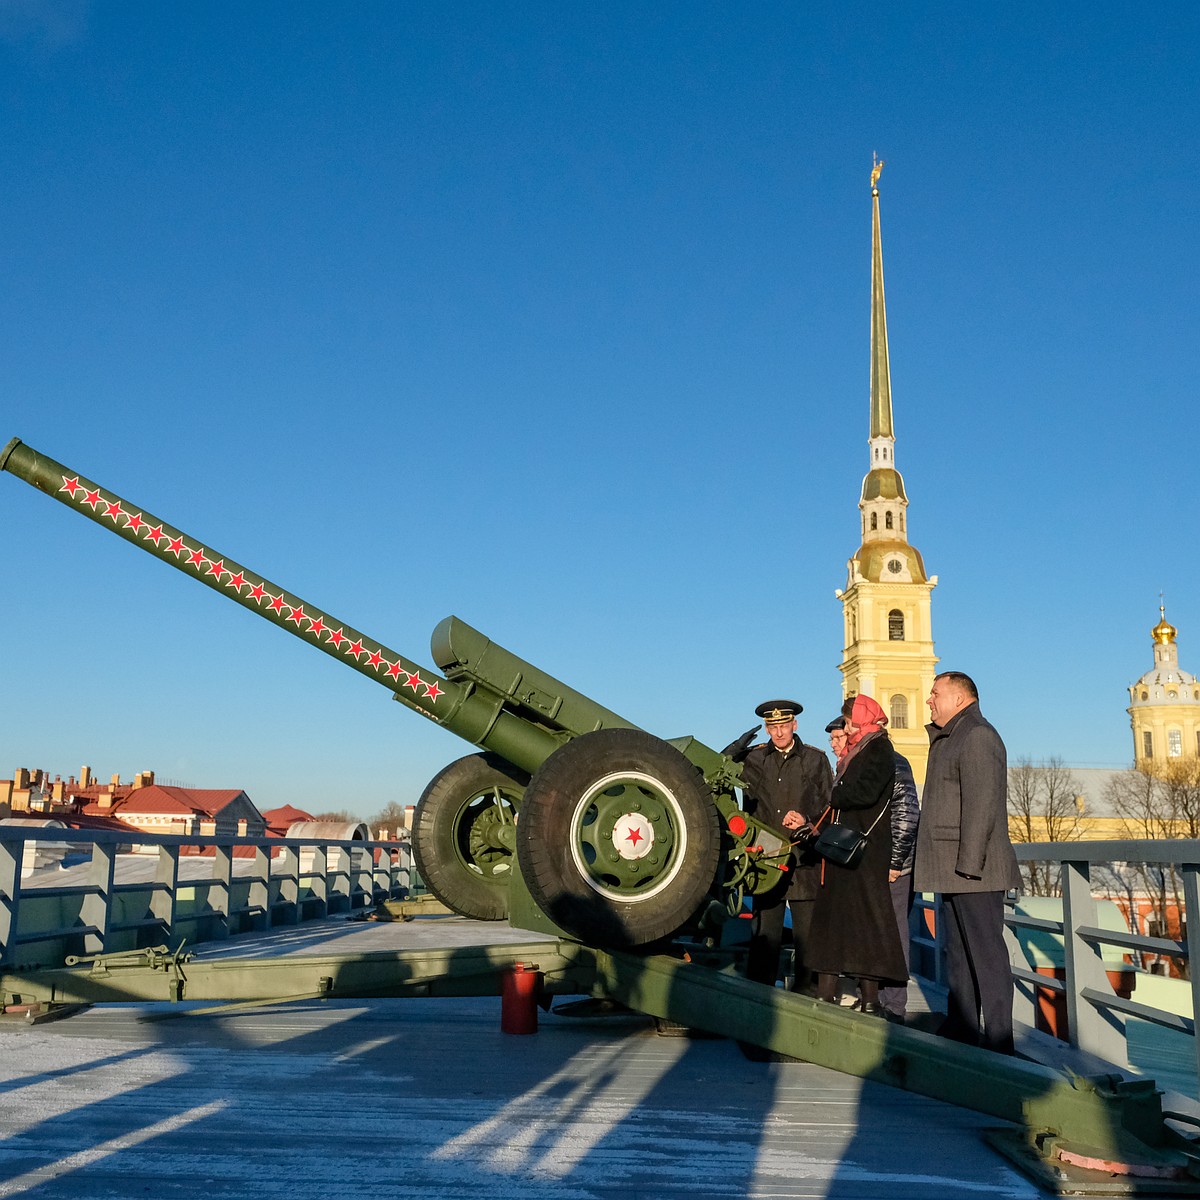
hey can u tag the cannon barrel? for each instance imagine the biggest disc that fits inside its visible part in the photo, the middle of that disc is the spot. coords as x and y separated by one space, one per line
487 695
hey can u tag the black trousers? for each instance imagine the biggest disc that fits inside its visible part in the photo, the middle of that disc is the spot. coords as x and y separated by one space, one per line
978 972
766 940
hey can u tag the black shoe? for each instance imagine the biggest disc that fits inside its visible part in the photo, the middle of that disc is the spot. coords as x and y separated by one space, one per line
872 1008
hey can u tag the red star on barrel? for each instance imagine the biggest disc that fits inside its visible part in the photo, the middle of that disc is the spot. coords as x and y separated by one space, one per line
337 638
316 627
70 486
296 614
135 522
255 593
154 534
112 509
196 557
235 581
413 681
175 546
92 498
394 670
432 690
356 648
276 603
374 659
217 568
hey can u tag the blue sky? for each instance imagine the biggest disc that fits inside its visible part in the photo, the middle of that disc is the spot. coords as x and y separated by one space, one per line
555 316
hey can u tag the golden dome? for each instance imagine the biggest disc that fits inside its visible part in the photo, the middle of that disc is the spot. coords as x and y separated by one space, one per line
1164 632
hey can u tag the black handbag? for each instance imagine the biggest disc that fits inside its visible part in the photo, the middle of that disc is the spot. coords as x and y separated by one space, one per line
839 844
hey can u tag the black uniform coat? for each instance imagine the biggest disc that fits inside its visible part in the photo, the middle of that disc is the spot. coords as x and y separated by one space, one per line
854 926
962 841
777 783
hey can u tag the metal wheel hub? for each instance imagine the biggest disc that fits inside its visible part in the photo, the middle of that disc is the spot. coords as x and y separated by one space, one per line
487 821
633 836
628 837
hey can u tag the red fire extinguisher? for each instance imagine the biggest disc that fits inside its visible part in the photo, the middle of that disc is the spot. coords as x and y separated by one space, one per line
519 992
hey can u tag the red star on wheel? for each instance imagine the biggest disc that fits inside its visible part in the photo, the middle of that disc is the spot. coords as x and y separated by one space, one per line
432 690
217 568
255 593
316 626
196 557
92 498
277 603
296 615
374 659
135 522
337 638
413 681
175 546
235 581
71 486
634 836
394 670
112 509
154 534
356 648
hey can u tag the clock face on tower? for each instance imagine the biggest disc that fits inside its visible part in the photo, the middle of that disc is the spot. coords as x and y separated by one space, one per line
895 566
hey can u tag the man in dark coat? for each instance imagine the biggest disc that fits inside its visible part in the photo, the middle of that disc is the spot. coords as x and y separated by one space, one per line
963 852
787 785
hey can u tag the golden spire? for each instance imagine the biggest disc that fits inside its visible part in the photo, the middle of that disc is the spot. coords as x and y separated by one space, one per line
881 379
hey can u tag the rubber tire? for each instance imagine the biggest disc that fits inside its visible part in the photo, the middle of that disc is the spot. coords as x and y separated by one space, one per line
440 835
546 833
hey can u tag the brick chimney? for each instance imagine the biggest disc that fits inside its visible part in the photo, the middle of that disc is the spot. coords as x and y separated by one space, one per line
85 777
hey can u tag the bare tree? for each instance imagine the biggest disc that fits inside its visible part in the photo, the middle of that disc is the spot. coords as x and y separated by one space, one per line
341 815
391 817
1043 806
1155 806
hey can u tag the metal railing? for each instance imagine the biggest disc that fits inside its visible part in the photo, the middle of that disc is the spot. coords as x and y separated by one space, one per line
93 910
1095 1013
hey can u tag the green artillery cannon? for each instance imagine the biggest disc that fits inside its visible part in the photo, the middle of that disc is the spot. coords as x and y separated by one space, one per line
623 838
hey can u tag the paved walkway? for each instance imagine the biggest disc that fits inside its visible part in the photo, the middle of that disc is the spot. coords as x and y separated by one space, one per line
427 1098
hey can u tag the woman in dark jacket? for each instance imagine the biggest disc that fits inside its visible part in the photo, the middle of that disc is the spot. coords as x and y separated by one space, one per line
854 928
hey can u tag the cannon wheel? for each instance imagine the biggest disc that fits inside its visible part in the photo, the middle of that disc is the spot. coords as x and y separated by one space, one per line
618 839
454 839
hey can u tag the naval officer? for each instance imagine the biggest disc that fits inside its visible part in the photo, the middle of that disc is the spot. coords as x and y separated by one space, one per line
787 785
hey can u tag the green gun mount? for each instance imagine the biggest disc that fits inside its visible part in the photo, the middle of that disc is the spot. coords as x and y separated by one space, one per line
624 839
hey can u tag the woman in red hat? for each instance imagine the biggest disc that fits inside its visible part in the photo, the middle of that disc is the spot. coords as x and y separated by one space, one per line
854 928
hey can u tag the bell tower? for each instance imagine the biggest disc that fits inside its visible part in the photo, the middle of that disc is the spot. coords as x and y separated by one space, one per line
1164 706
888 635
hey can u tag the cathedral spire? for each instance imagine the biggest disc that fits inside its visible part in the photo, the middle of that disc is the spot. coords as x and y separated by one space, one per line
889 651
883 504
881 379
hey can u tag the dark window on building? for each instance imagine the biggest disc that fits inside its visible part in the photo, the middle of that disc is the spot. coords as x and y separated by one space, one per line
1147 744
898 718
874 521
895 626
887 519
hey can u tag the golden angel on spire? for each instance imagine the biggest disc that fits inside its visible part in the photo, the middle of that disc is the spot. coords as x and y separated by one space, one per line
877 170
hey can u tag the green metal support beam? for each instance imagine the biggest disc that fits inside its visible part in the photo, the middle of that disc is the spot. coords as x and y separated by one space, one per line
157 975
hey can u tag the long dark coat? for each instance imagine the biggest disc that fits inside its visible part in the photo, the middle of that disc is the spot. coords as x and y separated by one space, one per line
780 783
962 841
854 926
